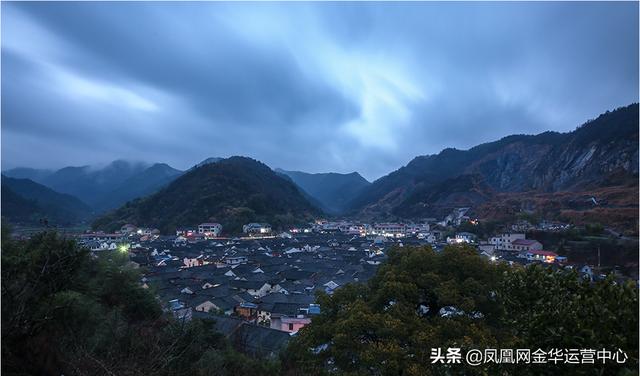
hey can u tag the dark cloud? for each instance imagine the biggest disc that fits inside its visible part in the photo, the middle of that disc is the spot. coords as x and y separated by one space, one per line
309 86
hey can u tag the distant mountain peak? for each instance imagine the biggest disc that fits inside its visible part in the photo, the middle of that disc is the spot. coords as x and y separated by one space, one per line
233 191
331 189
208 161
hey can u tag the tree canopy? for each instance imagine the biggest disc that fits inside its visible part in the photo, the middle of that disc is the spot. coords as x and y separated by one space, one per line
421 299
66 312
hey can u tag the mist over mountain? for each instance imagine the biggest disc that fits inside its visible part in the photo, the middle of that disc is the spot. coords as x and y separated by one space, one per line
233 192
25 201
599 154
103 187
332 190
37 175
141 184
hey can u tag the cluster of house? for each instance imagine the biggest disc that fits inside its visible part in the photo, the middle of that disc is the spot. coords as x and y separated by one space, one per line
524 226
387 229
509 244
101 241
211 230
262 287
518 244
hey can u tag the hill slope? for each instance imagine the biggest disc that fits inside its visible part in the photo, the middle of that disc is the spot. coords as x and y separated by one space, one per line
332 190
139 185
34 174
106 187
233 192
25 201
93 185
601 153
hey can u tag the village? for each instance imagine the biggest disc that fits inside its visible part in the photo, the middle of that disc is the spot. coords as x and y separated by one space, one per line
260 286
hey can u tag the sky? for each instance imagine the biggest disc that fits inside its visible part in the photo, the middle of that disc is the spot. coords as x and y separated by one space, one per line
315 87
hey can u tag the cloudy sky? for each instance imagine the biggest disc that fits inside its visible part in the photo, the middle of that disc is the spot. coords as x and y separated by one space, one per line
306 86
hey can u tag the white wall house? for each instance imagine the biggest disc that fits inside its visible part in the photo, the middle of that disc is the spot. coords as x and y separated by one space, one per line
256 228
210 229
503 242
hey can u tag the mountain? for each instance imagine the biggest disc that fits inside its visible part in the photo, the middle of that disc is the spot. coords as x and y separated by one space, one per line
37 175
26 201
600 153
18 209
332 190
312 200
139 185
233 192
103 188
93 185
208 161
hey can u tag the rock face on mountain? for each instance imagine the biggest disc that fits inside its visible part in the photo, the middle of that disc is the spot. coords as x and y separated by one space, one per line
232 191
26 202
601 153
332 190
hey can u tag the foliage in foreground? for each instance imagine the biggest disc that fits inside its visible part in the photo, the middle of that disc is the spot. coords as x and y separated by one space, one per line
64 312
383 328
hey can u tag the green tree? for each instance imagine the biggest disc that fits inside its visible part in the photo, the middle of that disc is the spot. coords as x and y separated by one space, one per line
384 328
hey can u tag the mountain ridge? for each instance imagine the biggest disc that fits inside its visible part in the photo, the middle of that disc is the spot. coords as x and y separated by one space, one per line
24 200
103 187
591 156
332 190
232 191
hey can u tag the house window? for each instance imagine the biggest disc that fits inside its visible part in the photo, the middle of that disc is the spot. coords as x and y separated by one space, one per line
290 326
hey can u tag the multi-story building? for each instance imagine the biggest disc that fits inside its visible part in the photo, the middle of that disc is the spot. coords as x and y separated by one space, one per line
516 242
417 228
390 229
210 229
503 241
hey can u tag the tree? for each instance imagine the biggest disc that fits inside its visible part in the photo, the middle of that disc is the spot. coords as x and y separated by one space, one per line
390 325
64 312
420 300
547 309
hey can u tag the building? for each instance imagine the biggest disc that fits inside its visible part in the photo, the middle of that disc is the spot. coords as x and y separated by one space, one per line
235 260
526 245
389 229
185 232
503 242
429 237
540 255
257 228
417 228
248 311
462 237
289 324
128 228
210 229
